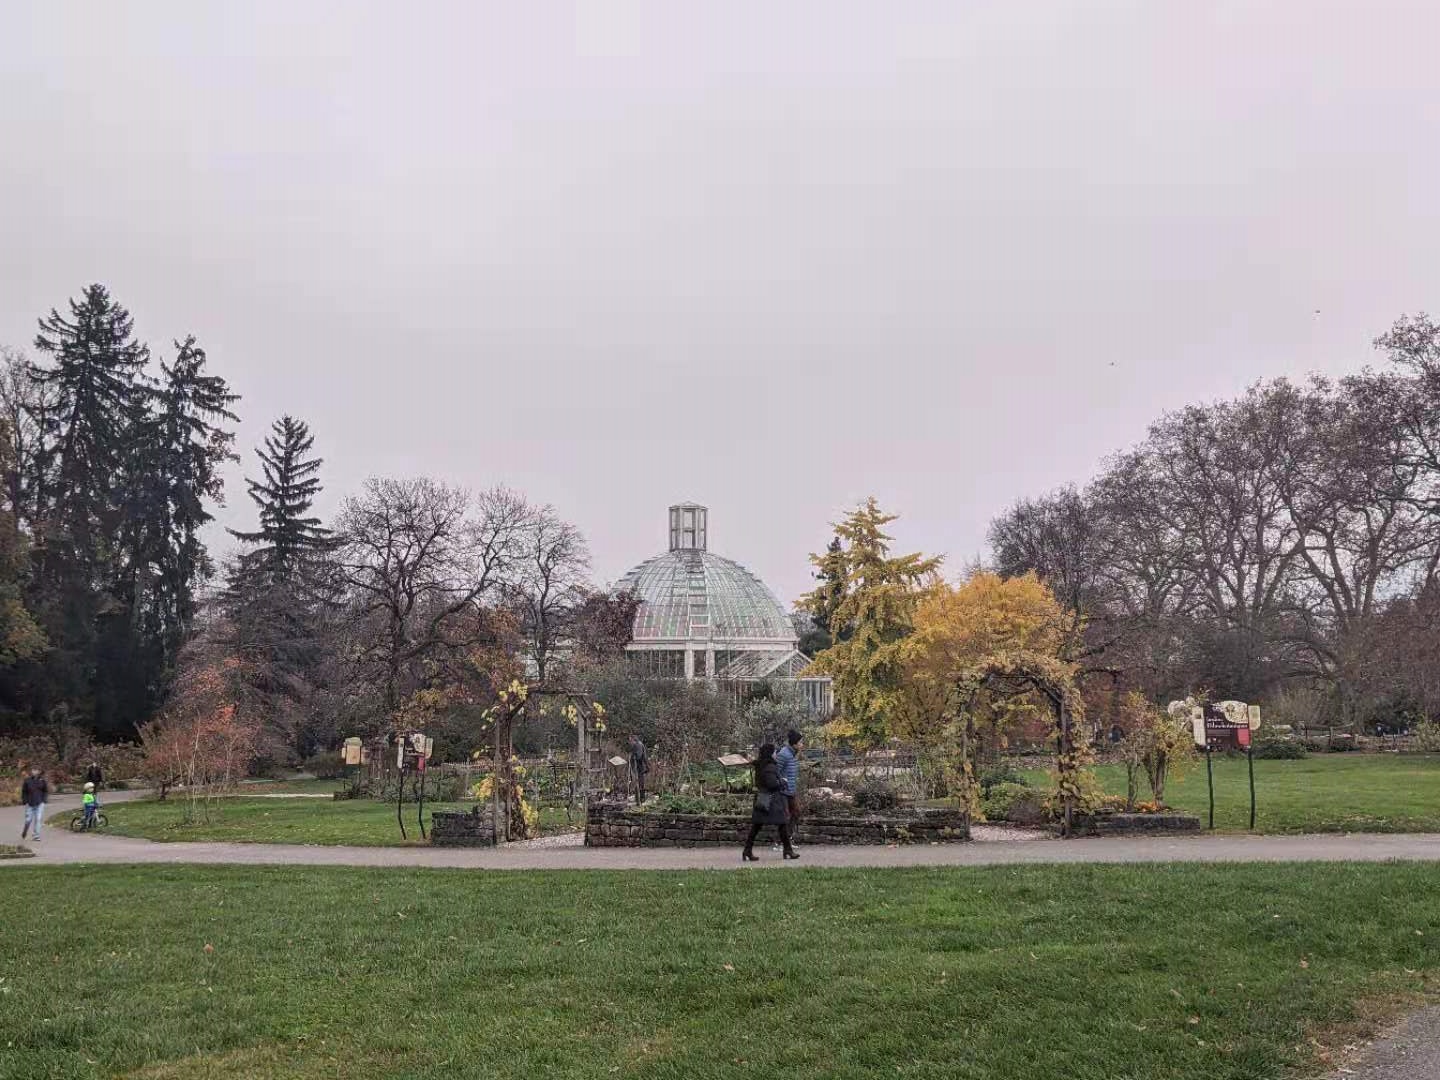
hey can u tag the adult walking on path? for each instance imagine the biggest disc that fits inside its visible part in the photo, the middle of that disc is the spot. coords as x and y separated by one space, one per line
34 793
788 759
770 807
94 775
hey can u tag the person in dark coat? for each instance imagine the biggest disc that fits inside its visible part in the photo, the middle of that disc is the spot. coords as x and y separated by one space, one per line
770 807
639 767
34 793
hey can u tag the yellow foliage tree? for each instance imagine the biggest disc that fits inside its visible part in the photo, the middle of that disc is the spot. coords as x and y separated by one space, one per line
868 599
957 627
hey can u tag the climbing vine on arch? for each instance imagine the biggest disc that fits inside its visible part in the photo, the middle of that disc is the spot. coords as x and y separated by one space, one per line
1020 671
515 818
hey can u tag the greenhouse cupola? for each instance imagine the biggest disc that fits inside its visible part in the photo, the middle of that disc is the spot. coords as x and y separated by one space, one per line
703 616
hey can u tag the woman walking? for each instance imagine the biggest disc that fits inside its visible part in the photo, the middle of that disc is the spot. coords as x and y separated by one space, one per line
770 805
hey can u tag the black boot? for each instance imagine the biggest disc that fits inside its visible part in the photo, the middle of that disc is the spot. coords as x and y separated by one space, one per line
748 856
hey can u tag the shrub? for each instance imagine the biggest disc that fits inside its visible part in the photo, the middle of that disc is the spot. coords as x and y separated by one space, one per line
877 795
692 804
326 765
999 799
1280 750
1159 744
1427 737
1000 774
1028 807
1328 746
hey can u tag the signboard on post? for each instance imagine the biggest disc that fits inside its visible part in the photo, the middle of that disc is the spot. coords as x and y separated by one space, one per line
1222 733
353 750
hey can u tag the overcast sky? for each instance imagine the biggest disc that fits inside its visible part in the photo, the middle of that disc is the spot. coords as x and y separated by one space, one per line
769 257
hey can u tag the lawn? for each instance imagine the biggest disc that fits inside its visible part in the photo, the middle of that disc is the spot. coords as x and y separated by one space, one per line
1322 793
1091 973
362 822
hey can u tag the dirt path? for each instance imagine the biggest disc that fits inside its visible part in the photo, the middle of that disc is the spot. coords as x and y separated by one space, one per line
59 846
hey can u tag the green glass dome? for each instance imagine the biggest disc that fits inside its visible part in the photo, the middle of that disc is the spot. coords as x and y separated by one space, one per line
690 595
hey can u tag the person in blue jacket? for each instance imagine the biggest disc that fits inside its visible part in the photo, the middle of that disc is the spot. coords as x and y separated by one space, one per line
788 760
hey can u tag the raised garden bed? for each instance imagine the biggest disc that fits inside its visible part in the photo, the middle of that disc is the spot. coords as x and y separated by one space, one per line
1121 823
455 828
611 824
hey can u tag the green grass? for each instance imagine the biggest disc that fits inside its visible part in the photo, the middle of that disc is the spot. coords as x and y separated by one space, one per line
1178 972
298 787
1321 793
360 822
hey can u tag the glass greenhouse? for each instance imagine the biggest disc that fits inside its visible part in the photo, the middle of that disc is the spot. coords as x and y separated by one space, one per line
703 616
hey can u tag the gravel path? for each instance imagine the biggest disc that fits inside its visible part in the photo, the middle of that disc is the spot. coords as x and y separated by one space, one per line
1409 1052
59 846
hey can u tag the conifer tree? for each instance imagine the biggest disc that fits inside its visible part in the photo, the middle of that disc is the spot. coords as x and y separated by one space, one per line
100 396
277 597
875 607
98 400
184 449
288 535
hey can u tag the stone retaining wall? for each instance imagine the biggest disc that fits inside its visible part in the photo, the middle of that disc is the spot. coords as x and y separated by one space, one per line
609 824
1110 824
453 828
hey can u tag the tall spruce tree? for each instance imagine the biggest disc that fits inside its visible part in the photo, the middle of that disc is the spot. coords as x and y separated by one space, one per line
84 598
276 600
184 448
288 536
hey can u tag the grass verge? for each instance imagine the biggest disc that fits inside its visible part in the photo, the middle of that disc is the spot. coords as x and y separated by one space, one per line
1168 972
359 822
1322 793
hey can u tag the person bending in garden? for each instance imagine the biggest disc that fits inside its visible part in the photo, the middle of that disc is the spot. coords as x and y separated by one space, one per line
639 766
770 807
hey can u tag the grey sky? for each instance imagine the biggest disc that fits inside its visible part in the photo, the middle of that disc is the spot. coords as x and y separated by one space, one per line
770 257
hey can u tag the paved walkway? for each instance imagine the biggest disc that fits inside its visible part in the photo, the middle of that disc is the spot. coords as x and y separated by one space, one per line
1409 1052
60 846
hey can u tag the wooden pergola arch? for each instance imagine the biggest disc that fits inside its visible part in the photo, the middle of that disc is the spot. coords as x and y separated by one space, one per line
1018 672
588 717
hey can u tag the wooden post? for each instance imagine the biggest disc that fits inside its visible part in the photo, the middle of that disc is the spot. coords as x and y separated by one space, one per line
1210 777
499 802
582 756
1250 754
1066 748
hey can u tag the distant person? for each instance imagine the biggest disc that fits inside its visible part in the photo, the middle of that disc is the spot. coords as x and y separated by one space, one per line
639 766
788 760
89 804
34 793
770 806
